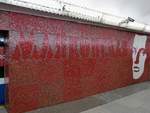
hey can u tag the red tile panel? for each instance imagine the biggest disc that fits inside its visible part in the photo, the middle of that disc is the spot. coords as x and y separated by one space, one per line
52 61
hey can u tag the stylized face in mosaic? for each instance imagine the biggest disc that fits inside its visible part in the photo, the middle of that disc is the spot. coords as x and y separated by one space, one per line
138 55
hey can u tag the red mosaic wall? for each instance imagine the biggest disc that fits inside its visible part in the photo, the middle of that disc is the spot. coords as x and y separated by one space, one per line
52 61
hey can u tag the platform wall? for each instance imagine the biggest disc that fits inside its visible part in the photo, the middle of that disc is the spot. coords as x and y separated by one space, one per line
52 61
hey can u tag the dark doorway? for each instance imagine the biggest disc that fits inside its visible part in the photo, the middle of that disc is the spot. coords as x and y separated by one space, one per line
3 43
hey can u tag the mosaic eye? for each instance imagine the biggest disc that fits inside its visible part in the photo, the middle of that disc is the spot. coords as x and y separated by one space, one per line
134 50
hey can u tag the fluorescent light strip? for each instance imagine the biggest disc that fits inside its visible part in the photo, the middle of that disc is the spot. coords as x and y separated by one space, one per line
2 81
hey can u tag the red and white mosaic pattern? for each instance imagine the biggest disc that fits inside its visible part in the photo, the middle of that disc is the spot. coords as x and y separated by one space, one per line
52 61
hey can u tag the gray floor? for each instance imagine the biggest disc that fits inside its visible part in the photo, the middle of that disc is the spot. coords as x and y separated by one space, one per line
136 103
131 99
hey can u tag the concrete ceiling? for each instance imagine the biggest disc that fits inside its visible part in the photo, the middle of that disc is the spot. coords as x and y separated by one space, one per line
137 9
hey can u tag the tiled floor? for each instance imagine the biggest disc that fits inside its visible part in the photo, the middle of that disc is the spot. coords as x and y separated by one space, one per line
131 99
136 103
